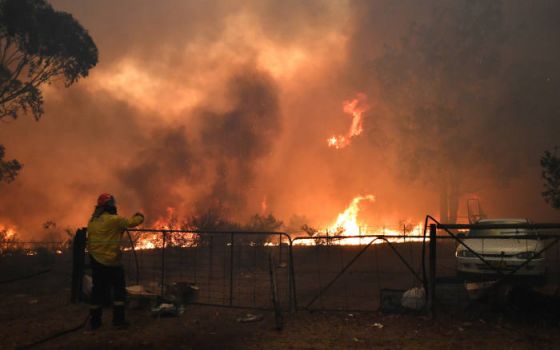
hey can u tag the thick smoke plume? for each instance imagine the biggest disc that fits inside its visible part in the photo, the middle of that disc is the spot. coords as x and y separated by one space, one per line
213 162
197 105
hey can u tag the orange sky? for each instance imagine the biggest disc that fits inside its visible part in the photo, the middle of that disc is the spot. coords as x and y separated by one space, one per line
194 103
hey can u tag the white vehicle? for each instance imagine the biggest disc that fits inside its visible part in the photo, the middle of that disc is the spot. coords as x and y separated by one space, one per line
505 255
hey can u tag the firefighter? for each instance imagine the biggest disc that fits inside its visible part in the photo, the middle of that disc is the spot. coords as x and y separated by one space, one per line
105 230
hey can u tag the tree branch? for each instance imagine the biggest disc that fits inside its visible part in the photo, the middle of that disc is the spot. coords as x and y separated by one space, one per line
6 45
46 72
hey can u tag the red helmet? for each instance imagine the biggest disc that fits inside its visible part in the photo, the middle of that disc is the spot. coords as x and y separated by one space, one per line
105 199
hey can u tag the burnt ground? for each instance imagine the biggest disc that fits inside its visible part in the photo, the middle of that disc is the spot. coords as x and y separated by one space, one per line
37 307
24 321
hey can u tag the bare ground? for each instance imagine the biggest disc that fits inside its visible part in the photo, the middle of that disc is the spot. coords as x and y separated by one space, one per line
25 318
33 309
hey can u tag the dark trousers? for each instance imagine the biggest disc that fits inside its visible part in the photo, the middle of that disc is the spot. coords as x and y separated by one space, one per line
107 278
104 279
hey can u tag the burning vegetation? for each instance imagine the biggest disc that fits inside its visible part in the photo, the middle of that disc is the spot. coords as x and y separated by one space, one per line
272 147
347 229
421 104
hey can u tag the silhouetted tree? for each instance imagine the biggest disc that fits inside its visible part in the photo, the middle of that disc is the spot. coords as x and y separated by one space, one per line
8 169
267 223
438 71
37 46
550 164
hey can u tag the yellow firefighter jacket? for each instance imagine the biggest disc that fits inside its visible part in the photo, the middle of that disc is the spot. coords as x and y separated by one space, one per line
104 237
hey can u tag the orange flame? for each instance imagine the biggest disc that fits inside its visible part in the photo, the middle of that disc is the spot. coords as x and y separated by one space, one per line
355 108
347 222
169 222
347 225
155 240
7 233
264 206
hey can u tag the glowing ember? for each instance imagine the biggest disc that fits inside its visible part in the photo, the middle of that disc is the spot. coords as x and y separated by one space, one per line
355 108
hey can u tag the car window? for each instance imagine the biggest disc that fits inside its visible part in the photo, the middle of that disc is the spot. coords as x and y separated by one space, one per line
498 232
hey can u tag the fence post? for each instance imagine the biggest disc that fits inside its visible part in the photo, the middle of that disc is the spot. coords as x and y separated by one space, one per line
231 270
78 264
432 271
162 261
292 278
279 249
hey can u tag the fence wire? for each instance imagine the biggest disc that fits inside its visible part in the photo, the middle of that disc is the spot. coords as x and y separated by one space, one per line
35 274
333 275
220 268
515 255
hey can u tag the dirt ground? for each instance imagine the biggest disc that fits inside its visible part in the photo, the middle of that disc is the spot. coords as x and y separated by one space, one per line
35 308
26 318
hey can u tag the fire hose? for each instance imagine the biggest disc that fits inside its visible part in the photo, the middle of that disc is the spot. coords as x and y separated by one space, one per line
25 277
135 257
55 335
85 321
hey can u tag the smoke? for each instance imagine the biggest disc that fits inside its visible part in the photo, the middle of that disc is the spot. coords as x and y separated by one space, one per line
470 94
211 104
155 172
213 163
236 139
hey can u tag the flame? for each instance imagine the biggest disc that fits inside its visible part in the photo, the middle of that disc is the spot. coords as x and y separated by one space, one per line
264 206
355 108
347 225
155 240
7 233
347 222
169 222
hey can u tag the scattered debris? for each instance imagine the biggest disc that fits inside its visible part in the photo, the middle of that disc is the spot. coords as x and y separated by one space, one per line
167 310
138 290
250 318
477 290
33 301
391 300
182 292
414 298
377 325
356 339
139 297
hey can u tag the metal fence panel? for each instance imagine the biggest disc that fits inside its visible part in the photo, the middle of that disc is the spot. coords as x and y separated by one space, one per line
335 276
228 268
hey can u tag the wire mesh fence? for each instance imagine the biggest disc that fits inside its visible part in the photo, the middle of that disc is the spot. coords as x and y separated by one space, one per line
350 273
491 256
220 268
37 274
257 269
